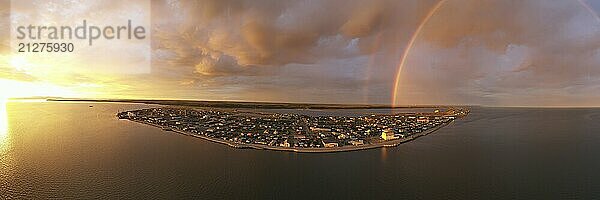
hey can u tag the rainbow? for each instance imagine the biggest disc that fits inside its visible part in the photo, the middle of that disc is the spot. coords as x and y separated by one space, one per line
590 10
410 45
419 29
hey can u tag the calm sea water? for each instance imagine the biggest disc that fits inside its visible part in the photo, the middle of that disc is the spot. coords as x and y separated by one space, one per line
70 150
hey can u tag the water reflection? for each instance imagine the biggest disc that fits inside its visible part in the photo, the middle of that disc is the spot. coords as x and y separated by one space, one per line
3 121
4 136
383 154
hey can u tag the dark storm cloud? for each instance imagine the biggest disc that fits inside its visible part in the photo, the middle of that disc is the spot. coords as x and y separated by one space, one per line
481 52
276 33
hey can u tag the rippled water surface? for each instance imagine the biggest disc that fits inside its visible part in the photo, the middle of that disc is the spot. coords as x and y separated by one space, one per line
50 149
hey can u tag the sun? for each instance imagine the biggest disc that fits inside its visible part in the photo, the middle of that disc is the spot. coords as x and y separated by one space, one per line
19 62
19 89
12 87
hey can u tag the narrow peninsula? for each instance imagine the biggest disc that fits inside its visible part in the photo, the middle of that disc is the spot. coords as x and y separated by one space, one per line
295 132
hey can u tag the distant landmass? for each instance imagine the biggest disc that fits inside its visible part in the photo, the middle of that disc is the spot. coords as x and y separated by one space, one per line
240 104
33 98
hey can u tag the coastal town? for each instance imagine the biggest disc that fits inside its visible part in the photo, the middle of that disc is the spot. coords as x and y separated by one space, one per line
287 131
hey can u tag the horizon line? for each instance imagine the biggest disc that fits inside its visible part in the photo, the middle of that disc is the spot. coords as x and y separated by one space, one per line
50 98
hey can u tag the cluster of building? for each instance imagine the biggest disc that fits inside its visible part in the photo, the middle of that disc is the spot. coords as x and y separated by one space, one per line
290 130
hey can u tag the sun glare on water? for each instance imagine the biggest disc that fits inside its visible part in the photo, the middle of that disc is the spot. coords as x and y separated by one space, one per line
18 89
3 120
3 114
12 87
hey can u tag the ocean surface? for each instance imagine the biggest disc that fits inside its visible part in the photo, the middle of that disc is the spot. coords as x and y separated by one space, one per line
71 150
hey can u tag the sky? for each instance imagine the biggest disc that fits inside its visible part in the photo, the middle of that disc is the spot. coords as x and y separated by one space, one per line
400 52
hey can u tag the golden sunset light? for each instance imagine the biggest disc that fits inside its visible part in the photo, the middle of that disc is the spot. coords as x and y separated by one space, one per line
299 99
3 121
19 89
